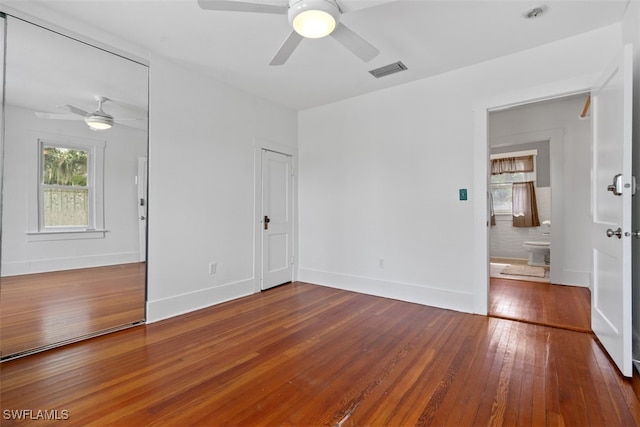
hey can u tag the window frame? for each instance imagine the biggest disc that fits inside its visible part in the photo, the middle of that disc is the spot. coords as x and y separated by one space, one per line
528 176
95 184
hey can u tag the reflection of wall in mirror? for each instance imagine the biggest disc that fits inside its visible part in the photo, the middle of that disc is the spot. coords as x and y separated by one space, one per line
120 244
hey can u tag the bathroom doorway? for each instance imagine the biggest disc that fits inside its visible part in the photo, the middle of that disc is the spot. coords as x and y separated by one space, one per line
520 231
553 251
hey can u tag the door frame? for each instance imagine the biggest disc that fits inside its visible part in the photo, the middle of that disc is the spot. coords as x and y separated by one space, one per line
481 109
260 144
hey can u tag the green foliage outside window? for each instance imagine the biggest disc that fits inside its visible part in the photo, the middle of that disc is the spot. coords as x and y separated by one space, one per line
65 193
64 166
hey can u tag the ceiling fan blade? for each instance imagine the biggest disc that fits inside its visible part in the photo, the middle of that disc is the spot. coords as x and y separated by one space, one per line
126 119
74 110
243 6
356 44
56 116
130 125
286 49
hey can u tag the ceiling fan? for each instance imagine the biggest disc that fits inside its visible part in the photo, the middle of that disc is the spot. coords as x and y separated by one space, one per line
97 120
309 19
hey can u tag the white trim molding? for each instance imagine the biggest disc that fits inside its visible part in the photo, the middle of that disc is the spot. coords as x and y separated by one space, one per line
185 303
18 268
410 292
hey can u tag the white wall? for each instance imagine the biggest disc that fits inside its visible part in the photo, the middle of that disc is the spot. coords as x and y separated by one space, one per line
119 245
382 181
574 184
631 34
201 187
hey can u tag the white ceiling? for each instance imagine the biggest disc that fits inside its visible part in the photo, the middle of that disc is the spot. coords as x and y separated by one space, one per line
429 37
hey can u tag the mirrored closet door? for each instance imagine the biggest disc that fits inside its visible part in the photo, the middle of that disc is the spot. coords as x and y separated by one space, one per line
73 180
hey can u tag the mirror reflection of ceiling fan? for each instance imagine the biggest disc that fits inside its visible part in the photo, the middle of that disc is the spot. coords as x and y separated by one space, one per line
309 19
97 120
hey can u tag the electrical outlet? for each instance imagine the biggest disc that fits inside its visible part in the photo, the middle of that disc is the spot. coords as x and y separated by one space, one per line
213 267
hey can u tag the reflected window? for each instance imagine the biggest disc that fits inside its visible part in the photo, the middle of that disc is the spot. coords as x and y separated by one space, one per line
70 183
65 193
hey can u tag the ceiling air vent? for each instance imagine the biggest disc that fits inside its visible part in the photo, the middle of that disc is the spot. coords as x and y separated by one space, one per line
388 69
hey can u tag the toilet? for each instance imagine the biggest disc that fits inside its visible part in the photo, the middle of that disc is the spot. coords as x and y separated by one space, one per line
539 253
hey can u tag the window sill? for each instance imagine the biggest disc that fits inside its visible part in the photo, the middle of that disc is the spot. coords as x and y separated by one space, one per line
43 236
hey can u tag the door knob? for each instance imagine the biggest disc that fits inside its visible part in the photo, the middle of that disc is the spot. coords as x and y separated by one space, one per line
266 222
636 234
142 218
611 233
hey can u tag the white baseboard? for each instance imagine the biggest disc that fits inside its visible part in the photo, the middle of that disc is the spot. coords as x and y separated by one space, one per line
72 263
192 301
410 292
573 278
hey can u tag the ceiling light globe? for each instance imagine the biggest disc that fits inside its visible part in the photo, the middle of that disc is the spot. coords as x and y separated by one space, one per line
314 18
314 24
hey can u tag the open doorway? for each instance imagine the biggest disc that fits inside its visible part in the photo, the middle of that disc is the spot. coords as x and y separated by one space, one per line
610 207
539 268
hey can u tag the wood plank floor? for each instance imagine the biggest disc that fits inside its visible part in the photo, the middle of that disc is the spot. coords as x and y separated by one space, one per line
308 355
567 307
38 310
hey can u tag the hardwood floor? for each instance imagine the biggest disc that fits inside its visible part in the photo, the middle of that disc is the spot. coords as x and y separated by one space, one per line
301 354
567 307
38 310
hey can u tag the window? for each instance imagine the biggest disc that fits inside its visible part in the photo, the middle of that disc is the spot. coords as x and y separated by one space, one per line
65 192
502 183
70 187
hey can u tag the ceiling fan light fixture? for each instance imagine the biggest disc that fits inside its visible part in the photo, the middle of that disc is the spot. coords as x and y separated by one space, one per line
97 122
314 18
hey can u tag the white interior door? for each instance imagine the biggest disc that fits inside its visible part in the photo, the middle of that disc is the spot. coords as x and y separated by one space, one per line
611 319
142 206
277 219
